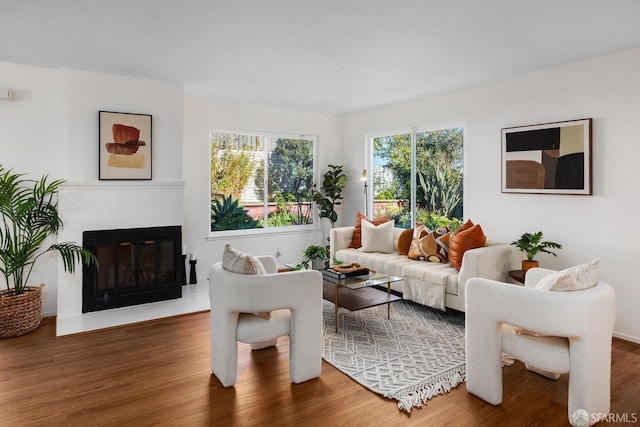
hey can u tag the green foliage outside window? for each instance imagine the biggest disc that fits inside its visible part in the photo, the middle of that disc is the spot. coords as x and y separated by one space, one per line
284 215
290 170
231 169
228 214
439 174
238 172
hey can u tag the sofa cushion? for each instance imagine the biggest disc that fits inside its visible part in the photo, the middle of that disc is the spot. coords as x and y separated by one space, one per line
469 237
393 264
377 238
356 238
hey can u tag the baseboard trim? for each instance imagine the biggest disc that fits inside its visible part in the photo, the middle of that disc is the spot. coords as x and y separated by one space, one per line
625 337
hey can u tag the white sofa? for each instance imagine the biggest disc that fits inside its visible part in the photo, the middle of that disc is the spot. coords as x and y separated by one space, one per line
493 261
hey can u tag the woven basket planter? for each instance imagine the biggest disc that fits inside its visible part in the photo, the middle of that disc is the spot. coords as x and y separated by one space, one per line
20 314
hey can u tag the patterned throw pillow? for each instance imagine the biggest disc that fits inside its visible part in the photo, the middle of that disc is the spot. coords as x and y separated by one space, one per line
467 237
242 263
356 239
429 245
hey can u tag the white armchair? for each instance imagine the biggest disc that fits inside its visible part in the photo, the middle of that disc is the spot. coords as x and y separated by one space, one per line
295 300
576 329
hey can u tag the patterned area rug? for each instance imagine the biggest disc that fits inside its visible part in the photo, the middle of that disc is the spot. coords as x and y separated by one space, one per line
412 357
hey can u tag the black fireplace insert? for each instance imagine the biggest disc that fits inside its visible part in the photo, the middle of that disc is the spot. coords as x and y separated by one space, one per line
135 266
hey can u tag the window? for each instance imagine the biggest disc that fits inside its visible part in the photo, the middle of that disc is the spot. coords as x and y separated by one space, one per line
260 181
417 175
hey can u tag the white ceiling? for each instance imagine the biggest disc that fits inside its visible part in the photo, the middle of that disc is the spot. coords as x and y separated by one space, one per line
332 56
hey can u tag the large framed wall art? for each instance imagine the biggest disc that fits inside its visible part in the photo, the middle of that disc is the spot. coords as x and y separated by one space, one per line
550 158
124 146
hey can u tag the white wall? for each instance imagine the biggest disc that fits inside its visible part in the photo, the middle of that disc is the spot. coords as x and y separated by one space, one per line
606 89
27 142
201 116
52 128
89 204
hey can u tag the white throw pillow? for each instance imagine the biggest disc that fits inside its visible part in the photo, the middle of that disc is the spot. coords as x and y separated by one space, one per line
239 262
377 238
583 276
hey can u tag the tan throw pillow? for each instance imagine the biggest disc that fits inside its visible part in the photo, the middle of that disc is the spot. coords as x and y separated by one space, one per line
377 238
242 263
464 239
583 276
429 245
356 239
404 241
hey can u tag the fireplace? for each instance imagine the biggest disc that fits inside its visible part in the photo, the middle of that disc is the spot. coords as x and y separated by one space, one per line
135 266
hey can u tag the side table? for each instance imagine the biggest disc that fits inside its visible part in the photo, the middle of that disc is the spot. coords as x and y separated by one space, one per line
518 276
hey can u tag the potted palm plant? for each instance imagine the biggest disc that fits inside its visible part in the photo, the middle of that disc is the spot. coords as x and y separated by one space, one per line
532 244
29 215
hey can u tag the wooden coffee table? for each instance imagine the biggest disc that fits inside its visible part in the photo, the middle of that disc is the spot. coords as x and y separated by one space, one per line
356 293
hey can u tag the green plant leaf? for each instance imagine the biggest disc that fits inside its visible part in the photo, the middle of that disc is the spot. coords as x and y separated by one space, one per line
29 213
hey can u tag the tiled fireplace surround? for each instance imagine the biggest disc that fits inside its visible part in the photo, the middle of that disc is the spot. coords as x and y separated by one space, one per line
106 205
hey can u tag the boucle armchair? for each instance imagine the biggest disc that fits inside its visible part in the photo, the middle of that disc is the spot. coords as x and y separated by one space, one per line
575 327
295 302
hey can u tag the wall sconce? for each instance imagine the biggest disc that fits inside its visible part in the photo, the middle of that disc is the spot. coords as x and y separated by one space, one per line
366 193
8 94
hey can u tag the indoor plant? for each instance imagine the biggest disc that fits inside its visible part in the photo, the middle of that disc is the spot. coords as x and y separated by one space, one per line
316 255
531 244
330 194
29 211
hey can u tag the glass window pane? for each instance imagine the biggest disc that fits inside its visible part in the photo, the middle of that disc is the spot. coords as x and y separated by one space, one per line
235 202
438 177
289 179
392 178
439 168
260 181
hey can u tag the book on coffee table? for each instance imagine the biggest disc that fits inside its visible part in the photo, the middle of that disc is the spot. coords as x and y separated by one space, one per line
330 272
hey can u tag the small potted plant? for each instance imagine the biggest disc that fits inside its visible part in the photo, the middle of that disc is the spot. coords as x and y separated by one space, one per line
532 244
316 255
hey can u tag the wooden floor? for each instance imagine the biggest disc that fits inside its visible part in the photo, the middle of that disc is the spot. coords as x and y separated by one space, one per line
157 373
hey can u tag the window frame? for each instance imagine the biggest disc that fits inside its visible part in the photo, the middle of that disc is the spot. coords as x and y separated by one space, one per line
266 230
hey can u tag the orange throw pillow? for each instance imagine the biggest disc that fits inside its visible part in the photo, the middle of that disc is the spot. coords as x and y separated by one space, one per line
404 241
468 224
356 239
465 238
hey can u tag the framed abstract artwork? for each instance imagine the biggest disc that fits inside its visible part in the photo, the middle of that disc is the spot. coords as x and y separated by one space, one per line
124 146
550 158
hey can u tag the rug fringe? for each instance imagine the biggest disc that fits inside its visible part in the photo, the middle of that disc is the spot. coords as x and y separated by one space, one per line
507 360
417 397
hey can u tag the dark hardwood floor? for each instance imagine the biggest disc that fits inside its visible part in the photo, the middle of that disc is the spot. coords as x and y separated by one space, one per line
157 373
